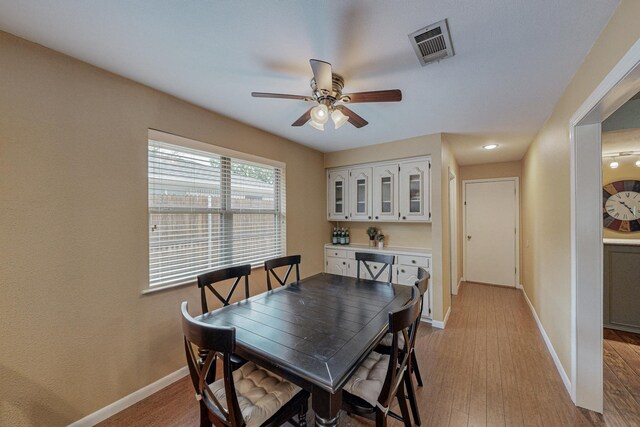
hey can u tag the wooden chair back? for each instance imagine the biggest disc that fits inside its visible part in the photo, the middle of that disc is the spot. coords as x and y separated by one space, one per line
423 285
366 257
207 280
402 321
291 261
203 344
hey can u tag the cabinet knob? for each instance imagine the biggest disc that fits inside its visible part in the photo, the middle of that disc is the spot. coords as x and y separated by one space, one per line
344 263
375 266
402 271
413 261
346 217
404 217
336 253
369 217
376 217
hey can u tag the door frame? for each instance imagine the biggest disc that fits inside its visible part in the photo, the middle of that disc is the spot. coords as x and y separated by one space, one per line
622 82
453 232
516 181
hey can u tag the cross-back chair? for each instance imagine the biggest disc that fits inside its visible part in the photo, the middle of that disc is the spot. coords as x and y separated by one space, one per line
382 377
365 258
207 281
220 401
422 285
291 261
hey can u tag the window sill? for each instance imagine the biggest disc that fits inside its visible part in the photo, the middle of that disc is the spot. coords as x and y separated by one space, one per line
168 287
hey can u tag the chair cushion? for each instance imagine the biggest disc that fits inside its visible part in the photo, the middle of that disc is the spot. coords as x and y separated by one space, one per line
367 381
260 393
388 338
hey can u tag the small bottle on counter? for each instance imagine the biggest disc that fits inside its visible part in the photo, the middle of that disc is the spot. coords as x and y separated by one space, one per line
343 237
334 239
347 237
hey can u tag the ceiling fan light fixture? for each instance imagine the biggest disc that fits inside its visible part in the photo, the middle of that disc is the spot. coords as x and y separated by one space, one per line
316 125
320 114
338 118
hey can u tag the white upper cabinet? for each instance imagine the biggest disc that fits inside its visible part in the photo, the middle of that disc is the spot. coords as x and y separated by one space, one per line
338 199
360 190
414 191
385 192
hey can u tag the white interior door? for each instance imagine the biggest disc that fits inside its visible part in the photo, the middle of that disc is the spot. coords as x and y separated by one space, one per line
491 212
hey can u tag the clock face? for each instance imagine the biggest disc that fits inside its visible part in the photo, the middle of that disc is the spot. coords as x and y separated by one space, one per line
621 200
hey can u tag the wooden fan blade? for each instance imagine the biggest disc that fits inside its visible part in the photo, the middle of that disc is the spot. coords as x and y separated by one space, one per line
354 119
303 118
322 74
280 96
393 95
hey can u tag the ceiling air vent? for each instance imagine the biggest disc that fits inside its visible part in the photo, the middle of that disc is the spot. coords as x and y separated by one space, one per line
432 43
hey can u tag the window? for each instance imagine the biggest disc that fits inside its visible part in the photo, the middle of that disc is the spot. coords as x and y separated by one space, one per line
210 208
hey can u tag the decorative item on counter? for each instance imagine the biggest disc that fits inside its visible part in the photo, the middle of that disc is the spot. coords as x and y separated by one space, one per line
380 239
334 238
343 237
371 232
347 237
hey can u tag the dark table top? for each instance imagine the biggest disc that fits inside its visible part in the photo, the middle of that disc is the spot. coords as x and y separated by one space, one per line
316 332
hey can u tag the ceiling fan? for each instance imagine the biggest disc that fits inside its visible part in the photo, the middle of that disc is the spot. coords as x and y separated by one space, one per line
326 89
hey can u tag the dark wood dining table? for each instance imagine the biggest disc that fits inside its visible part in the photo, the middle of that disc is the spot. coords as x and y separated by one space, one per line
314 332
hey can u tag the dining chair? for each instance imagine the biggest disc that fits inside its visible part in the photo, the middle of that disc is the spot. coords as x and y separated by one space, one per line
365 258
382 377
290 261
250 396
207 281
385 346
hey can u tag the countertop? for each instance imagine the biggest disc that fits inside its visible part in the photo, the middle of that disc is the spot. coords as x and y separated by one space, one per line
624 242
392 250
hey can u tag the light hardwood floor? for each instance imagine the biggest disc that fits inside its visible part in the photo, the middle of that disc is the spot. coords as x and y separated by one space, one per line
489 367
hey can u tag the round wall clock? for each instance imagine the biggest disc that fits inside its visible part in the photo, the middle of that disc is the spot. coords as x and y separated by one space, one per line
621 205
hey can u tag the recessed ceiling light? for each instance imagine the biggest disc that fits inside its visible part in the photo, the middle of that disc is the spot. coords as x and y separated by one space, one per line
490 146
638 163
614 164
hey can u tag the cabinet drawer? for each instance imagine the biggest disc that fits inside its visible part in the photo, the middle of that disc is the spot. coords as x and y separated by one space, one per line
419 261
337 253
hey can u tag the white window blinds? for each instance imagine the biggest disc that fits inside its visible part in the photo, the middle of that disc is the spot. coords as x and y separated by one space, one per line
209 211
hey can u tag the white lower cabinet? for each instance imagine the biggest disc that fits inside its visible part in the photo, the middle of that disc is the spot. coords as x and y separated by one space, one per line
341 260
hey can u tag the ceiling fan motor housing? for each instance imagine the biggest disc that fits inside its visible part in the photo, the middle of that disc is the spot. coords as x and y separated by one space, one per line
337 83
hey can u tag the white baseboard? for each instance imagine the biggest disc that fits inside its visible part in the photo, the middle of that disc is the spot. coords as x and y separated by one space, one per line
519 286
122 404
547 341
441 325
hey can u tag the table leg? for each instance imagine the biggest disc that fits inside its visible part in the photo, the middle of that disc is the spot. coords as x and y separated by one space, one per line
326 407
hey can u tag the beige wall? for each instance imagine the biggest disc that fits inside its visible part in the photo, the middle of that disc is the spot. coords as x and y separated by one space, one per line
448 163
626 170
487 171
546 186
407 235
76 332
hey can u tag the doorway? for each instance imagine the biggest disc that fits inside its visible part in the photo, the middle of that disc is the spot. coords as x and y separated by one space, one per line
491 230
586 228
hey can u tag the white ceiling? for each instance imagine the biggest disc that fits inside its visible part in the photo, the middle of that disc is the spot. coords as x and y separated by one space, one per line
513 59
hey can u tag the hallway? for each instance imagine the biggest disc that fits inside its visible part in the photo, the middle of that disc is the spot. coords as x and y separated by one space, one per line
489 367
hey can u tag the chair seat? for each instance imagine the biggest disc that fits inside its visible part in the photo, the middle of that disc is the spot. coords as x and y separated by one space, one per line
388 338
260 393
368 379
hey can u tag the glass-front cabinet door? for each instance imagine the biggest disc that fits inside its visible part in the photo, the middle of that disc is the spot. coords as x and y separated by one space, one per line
338 194
414 191
360 191
385 192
